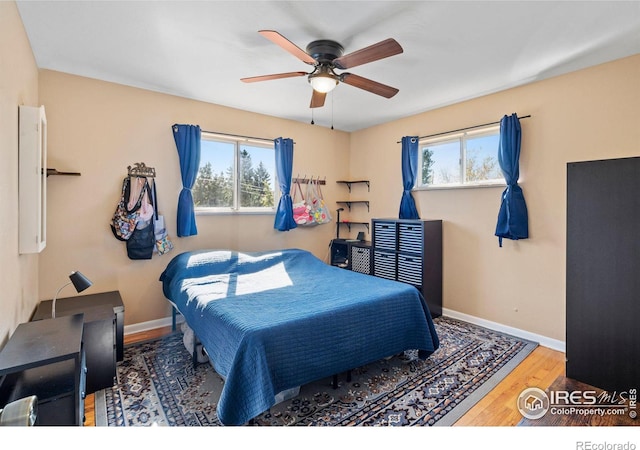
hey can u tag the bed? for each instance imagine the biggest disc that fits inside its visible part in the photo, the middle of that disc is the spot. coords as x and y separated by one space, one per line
275 320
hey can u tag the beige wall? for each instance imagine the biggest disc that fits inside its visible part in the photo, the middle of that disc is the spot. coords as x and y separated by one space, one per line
590 114
98 129
18 86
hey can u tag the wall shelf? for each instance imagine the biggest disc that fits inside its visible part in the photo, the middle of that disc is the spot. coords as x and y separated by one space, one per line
58 172
349 223
351 202
349 183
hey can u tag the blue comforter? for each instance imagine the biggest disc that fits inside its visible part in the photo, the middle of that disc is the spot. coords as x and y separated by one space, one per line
274 320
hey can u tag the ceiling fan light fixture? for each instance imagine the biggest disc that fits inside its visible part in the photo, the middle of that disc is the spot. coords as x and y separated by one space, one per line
323 83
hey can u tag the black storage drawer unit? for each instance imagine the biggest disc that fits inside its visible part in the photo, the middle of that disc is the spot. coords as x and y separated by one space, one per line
410 251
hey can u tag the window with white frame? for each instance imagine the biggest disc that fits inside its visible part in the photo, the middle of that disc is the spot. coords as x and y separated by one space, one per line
460 159
235 175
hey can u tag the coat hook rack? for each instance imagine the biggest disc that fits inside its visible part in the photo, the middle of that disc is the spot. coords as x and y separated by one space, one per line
306 180
141 170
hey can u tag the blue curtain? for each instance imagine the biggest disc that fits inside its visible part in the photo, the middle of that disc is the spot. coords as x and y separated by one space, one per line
409 172
513 219
187 139
284 167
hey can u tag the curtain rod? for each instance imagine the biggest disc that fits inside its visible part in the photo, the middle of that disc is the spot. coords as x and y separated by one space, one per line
464 129
238 136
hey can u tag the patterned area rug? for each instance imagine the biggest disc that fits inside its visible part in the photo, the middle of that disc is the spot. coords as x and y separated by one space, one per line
158 385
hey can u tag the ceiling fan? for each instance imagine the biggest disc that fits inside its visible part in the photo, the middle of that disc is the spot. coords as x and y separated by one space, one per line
326 56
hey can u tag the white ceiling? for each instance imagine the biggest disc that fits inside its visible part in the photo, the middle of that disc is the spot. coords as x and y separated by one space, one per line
453 50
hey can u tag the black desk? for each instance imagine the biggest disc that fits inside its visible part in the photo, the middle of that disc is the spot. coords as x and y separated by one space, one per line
46 359
79 303
99 335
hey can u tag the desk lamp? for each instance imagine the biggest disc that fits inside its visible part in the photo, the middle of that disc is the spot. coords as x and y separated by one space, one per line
79 281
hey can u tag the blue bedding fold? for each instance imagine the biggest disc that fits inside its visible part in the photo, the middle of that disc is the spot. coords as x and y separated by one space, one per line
275 320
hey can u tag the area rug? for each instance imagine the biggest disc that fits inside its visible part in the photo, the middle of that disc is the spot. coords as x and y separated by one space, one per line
158 385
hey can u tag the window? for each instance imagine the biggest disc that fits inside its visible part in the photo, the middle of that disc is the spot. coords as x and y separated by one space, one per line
460 159
235 175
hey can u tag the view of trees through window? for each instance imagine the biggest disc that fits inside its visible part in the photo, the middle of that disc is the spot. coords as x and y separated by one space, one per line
460 160
221 183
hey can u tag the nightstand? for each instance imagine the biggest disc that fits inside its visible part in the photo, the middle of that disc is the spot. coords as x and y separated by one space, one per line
46 359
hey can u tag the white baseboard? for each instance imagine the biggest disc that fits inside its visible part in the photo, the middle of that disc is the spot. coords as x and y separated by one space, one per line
150 325
545 341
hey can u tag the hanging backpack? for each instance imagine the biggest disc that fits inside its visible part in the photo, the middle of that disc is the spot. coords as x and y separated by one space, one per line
141 243
124 220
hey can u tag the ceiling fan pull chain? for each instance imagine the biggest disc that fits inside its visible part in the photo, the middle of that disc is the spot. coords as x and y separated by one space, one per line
332 110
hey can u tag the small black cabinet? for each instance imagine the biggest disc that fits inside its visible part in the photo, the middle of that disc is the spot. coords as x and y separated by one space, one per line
340 253
351 254
410 251
46 359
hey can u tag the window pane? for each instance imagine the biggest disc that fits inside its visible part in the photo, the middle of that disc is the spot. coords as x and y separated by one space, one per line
441 163
482 159
257 177
214 185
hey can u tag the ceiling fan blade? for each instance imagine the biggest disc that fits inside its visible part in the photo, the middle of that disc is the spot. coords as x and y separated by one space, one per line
368 85
317 99
274 76
289 46
383 49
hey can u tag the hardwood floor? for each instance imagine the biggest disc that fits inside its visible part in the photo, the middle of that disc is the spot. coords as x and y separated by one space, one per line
499 407
540 369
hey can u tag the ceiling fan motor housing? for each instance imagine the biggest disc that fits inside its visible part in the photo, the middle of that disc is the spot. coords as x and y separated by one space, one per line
325 51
